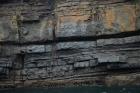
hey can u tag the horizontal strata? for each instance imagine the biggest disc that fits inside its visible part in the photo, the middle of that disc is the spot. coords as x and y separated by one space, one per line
69 43
78 61
47 20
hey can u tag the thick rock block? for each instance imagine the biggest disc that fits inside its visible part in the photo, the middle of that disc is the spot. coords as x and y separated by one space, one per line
35 49
76 45
81 64
6 62
8 29
138 14
29 20
36 30
111 41
37 60
86 19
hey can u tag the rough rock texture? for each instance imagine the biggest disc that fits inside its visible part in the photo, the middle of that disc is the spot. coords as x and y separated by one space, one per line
50 43
26 21
88 18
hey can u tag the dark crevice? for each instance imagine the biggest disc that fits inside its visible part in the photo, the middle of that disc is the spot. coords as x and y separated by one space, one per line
114 46
74 38
117 2
124 70
94 38
8 1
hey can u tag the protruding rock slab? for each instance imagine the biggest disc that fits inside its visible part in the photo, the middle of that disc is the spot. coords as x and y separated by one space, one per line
8 29
86 19
36 30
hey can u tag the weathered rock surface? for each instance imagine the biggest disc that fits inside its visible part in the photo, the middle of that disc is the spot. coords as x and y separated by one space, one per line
90 18
69 42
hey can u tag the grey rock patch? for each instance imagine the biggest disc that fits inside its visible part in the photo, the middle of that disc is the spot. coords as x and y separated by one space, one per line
76 45
35 49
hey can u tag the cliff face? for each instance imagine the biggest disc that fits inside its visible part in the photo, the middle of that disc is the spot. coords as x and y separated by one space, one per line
69 42
90 18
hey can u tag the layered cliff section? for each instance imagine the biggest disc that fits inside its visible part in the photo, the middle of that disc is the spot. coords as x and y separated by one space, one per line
50 43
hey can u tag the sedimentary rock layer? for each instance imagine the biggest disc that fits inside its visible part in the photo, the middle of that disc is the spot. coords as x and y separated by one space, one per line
50 43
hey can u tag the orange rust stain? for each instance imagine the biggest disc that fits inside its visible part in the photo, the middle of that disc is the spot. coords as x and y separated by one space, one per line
74 18
109 18
124 16
128 20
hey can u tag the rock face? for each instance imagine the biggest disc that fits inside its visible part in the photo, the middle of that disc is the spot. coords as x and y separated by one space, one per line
52 43
88 18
